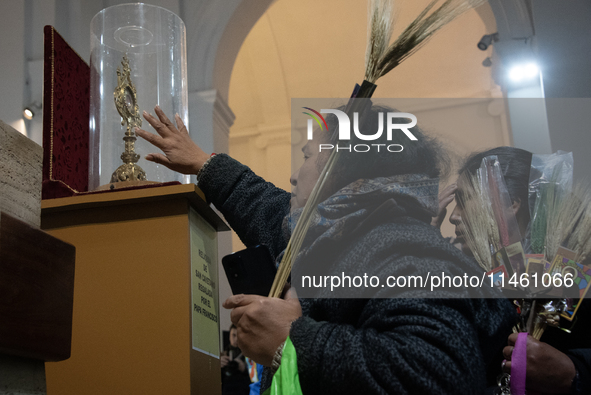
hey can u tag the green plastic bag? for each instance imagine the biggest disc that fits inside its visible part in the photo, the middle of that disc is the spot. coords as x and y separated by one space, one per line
286 380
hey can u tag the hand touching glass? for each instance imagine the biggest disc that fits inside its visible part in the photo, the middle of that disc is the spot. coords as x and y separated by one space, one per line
180 153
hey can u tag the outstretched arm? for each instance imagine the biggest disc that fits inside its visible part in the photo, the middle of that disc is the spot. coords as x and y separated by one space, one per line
253 207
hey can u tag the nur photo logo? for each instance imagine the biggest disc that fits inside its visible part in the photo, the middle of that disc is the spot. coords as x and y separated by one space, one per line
391 119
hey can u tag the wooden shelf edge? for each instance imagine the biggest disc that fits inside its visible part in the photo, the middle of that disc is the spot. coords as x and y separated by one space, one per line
189 191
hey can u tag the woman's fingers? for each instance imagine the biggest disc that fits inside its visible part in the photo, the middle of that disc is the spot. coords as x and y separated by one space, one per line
507 367
180 124
507 352
237 313
512 339
179 152
158 158
150 137
162 129
239 300
164 119
448 192
445 198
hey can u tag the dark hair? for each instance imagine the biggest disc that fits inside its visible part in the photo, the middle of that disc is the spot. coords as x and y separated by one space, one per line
423 156
515 165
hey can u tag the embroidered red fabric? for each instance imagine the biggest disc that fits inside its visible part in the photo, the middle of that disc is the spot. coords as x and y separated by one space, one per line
66 108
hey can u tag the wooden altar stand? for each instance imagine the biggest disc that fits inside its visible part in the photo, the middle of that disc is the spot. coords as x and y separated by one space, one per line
146 292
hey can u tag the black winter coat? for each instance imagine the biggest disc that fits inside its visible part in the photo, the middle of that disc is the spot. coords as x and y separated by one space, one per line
403 345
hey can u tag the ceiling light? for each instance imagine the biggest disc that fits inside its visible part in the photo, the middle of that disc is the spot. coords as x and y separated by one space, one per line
29 111
526 71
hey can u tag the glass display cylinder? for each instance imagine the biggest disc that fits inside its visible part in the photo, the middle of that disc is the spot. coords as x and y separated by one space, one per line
137 59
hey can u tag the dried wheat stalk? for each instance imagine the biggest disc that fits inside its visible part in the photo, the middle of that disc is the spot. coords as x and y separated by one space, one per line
419 31
480 228
569 224
380 25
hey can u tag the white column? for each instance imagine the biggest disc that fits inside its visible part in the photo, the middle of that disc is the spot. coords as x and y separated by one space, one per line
529 118
210 119
12 63
525 99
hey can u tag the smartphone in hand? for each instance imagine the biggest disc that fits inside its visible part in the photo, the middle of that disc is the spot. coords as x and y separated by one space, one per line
250 271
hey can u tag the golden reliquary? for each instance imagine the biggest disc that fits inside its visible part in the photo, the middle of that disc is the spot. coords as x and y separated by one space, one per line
126 103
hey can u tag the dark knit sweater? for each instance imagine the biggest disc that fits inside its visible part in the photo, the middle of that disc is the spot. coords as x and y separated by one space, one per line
372 346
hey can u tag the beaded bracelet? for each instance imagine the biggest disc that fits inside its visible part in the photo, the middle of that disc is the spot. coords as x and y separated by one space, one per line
277 357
